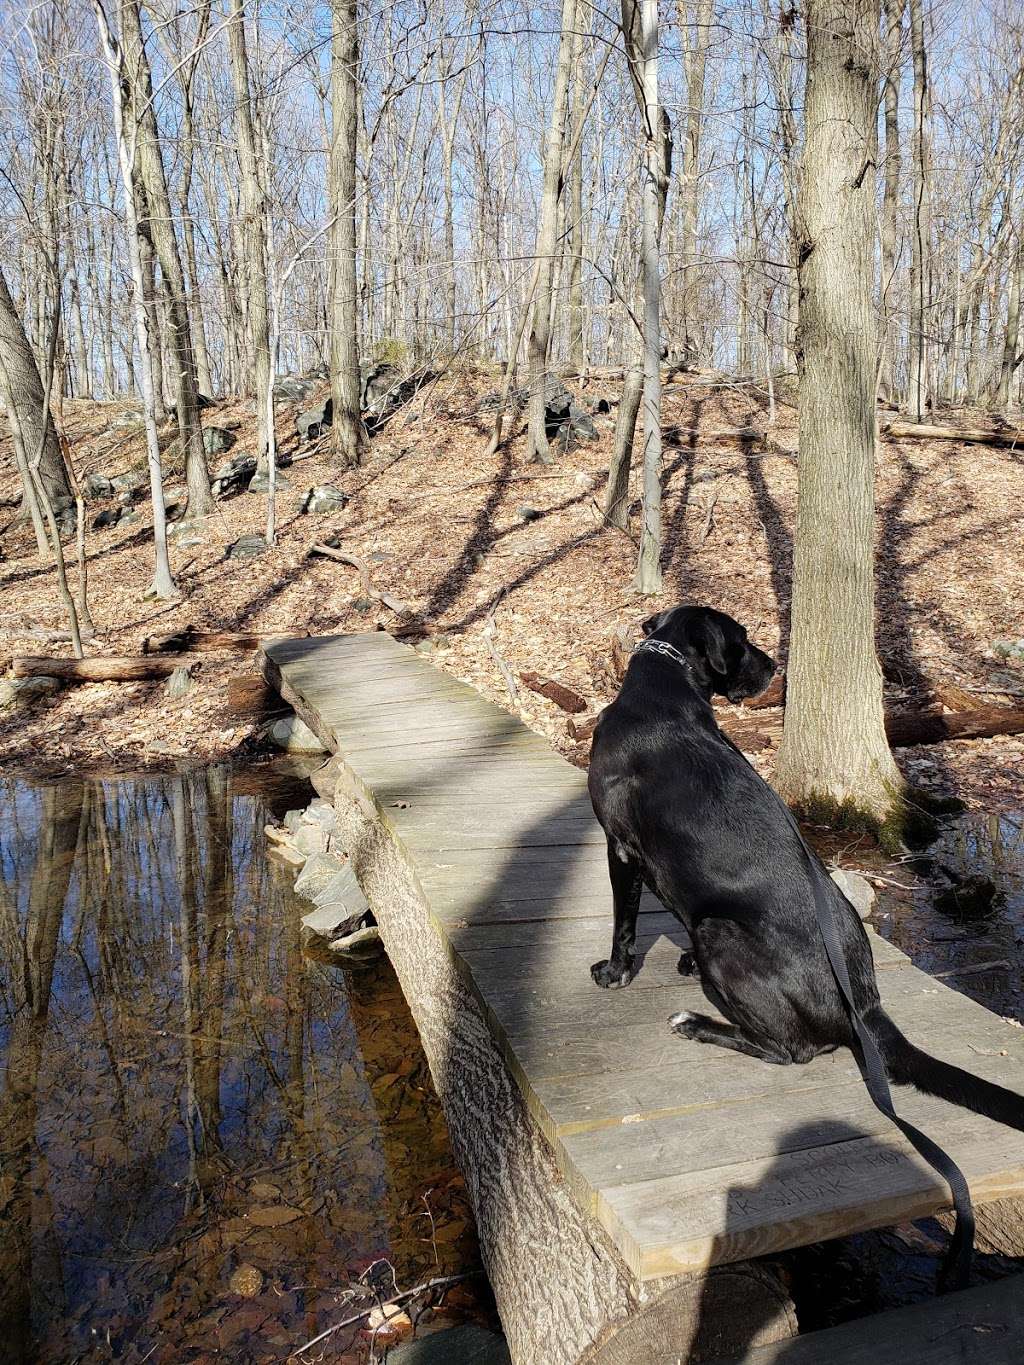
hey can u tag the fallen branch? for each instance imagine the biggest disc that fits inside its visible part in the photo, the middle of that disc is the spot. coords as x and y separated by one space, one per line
993 436
101 668
903 729
442 1282
581 730
557 692
341 557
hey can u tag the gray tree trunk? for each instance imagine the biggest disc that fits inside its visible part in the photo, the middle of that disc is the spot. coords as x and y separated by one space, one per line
689 179
920 232
890 196
547 233
349 436
26 395
254 235
834 756
161 228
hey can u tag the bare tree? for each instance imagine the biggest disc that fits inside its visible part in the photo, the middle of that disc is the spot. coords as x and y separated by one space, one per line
920 238
834 758
349 435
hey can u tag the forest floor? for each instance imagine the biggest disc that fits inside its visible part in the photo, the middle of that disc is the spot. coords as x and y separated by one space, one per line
496 558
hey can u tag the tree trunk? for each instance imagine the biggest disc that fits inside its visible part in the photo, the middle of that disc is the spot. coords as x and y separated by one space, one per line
1012 337
161 229
348 433
577 352
547 232
689 186
890 198
26 395
834 757
920 233
640 31
616 503
254 237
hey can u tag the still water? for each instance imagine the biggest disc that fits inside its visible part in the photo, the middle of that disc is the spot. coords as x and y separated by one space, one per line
210 1142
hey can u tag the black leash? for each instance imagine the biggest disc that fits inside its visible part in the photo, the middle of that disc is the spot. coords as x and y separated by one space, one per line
956 1271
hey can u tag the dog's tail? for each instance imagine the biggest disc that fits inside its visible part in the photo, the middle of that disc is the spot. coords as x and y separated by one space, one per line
908 1065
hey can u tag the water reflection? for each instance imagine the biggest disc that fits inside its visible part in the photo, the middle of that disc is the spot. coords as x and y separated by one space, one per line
186 1095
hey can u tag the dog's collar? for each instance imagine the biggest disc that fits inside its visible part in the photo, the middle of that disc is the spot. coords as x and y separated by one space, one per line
669 651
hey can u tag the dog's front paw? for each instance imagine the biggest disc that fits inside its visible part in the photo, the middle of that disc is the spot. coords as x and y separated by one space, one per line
612 975
684 1024
687 964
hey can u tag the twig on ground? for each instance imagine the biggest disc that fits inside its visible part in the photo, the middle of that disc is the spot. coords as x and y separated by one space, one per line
441 1282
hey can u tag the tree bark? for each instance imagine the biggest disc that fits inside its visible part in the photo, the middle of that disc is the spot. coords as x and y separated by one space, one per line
348 432
101 668
890 195
923 431
640 32
1010 360
547 233
161 228
903 729
616 502
254 236
26 395
689 180
834 752
920 234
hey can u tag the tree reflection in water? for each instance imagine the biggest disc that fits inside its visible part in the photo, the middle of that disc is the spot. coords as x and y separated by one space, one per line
185 1091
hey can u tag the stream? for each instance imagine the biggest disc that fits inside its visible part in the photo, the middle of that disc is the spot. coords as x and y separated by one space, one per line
212 1145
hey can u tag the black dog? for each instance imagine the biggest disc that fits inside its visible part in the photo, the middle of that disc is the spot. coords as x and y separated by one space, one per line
685 813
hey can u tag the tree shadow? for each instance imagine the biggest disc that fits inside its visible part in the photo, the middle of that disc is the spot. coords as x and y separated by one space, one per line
776 533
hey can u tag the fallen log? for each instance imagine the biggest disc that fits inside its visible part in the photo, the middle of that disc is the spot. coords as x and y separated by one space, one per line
992 436
903 728
557 692
192 640
250 695
101 667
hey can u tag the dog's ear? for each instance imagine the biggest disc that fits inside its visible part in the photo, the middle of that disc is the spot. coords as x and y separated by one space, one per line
652 623
714 645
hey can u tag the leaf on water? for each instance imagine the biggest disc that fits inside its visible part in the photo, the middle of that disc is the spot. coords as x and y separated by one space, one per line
274 1215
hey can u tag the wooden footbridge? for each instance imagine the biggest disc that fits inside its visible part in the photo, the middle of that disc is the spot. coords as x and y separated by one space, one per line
623 1180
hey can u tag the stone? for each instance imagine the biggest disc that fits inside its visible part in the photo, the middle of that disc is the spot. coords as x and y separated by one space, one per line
293 388
319 812
294 735
1009 649
527 513
310 839
130 417
322 498
98 486
341 890
246 547
359 940
187 532
129 516
260 482
129 482
466 1344
181 682
314 421
857 889
218 440
246 1280
318 871
233 476
110 516
17 692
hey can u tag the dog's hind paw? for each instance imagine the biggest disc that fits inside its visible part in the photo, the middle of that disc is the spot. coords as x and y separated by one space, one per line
687 964
612 975
678 1020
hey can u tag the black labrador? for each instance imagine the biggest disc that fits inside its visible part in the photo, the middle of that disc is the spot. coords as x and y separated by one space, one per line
685 813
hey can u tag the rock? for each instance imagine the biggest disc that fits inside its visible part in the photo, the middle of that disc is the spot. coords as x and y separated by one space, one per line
218 440
110 516
857 889
323 497
363 604
129 482
293 820
467 1344
260 482
341 890
1009 649
181 682
130 417
314 421
359 940
527 513
17 692
310 839
319 812
293 388
98 486
187 532
246 547
129 516
294 735
319 869
247 1281
233 476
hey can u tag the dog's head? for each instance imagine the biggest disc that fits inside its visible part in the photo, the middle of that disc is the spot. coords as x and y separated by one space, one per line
716 648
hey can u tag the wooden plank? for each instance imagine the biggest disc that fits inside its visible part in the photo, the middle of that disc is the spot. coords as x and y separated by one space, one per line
687 1154
982 1326
687 1222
